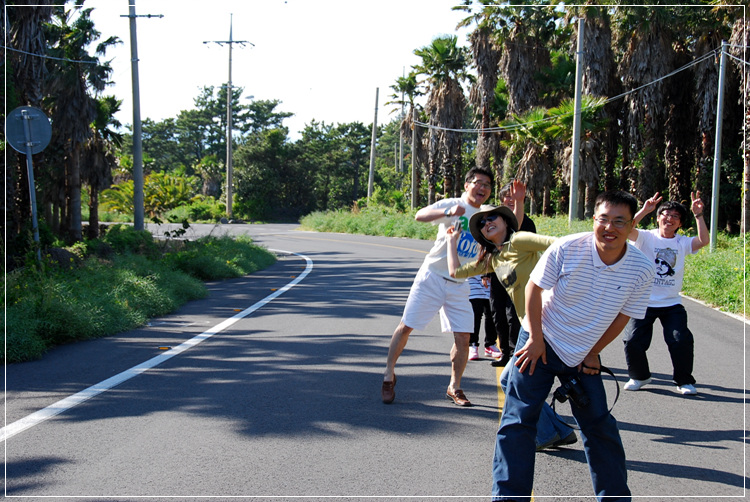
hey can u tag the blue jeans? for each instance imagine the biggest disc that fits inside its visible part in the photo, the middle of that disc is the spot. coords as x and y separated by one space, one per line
515 449
678 337
548 425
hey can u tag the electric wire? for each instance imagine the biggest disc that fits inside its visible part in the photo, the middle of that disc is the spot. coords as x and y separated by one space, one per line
513 127
742 61
44 56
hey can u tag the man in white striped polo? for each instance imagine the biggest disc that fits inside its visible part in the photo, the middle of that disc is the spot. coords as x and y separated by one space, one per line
579 297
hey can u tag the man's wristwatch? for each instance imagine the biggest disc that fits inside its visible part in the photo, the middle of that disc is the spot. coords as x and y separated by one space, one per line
447 211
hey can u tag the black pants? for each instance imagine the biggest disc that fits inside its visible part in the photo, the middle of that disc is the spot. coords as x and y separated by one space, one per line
677 335
481 307
504 315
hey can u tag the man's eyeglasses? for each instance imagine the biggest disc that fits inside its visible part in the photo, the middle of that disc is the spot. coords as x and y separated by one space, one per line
615 223
670 216
487 219
481 184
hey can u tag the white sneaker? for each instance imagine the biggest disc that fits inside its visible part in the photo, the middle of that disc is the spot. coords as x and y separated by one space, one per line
493 352
634 384
473 352
687 389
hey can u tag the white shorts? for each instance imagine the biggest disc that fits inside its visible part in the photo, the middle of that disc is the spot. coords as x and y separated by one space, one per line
431 293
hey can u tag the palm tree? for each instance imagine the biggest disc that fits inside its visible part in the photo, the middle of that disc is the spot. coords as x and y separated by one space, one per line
26 69
647 36
99 156
741 39
528 143
600 80
486 59
589 167
406 90
211 171
706 92
525 34
444 64
72 75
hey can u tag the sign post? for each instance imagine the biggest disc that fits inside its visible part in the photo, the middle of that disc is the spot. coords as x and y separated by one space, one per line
28 131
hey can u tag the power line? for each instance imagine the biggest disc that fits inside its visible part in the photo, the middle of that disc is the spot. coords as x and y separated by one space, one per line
44 56
739 59
513 127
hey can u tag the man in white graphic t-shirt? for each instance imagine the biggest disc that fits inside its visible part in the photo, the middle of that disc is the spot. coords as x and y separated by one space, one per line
667 249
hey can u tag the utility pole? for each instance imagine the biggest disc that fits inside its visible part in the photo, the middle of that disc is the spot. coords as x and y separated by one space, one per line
414 180
137 131
372 147
573 202
230 95
400 167
717 146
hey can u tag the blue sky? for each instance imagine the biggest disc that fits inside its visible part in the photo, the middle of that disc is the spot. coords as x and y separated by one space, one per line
322 58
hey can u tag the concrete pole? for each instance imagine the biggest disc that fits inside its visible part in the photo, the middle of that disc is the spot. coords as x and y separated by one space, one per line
229 125
372 147
230 96
717 146
32 186
414 184
137 131
573 202
400 167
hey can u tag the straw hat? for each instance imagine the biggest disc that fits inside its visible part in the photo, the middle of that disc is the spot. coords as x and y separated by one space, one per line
487 210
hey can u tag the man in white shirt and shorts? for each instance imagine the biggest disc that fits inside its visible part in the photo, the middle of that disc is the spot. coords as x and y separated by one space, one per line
434 290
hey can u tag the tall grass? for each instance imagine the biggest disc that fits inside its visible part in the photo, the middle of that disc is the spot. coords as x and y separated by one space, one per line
715 277
105 292
378 220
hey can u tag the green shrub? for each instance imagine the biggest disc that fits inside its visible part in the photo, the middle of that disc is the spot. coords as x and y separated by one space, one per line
373 220
717 277
207 209
53 305
220 258
125 239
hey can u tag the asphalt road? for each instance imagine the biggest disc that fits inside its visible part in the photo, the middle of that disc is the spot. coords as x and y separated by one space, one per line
280 397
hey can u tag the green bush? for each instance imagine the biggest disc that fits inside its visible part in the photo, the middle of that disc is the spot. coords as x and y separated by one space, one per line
717 277
220 258
125 239
374 220
54 305
207 209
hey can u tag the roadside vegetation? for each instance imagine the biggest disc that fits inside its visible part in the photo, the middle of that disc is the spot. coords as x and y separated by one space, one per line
716 278
108 285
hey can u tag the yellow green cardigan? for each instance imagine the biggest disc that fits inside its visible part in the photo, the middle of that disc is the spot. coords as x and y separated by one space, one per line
512 264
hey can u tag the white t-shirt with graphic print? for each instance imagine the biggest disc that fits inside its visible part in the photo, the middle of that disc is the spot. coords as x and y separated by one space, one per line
468 248
668 255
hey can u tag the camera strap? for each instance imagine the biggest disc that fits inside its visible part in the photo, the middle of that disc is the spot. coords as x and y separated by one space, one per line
604 369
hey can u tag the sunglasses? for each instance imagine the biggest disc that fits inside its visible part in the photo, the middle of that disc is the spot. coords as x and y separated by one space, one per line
487 219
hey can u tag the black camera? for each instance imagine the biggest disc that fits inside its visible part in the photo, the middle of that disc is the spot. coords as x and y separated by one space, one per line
573 390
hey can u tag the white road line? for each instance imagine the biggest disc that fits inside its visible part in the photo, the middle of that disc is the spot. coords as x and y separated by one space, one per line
69 402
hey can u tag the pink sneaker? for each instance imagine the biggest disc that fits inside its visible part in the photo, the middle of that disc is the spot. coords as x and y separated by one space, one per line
473 352
493 351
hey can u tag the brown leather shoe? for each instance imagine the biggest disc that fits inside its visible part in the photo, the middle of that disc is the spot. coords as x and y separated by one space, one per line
389 391
458 397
